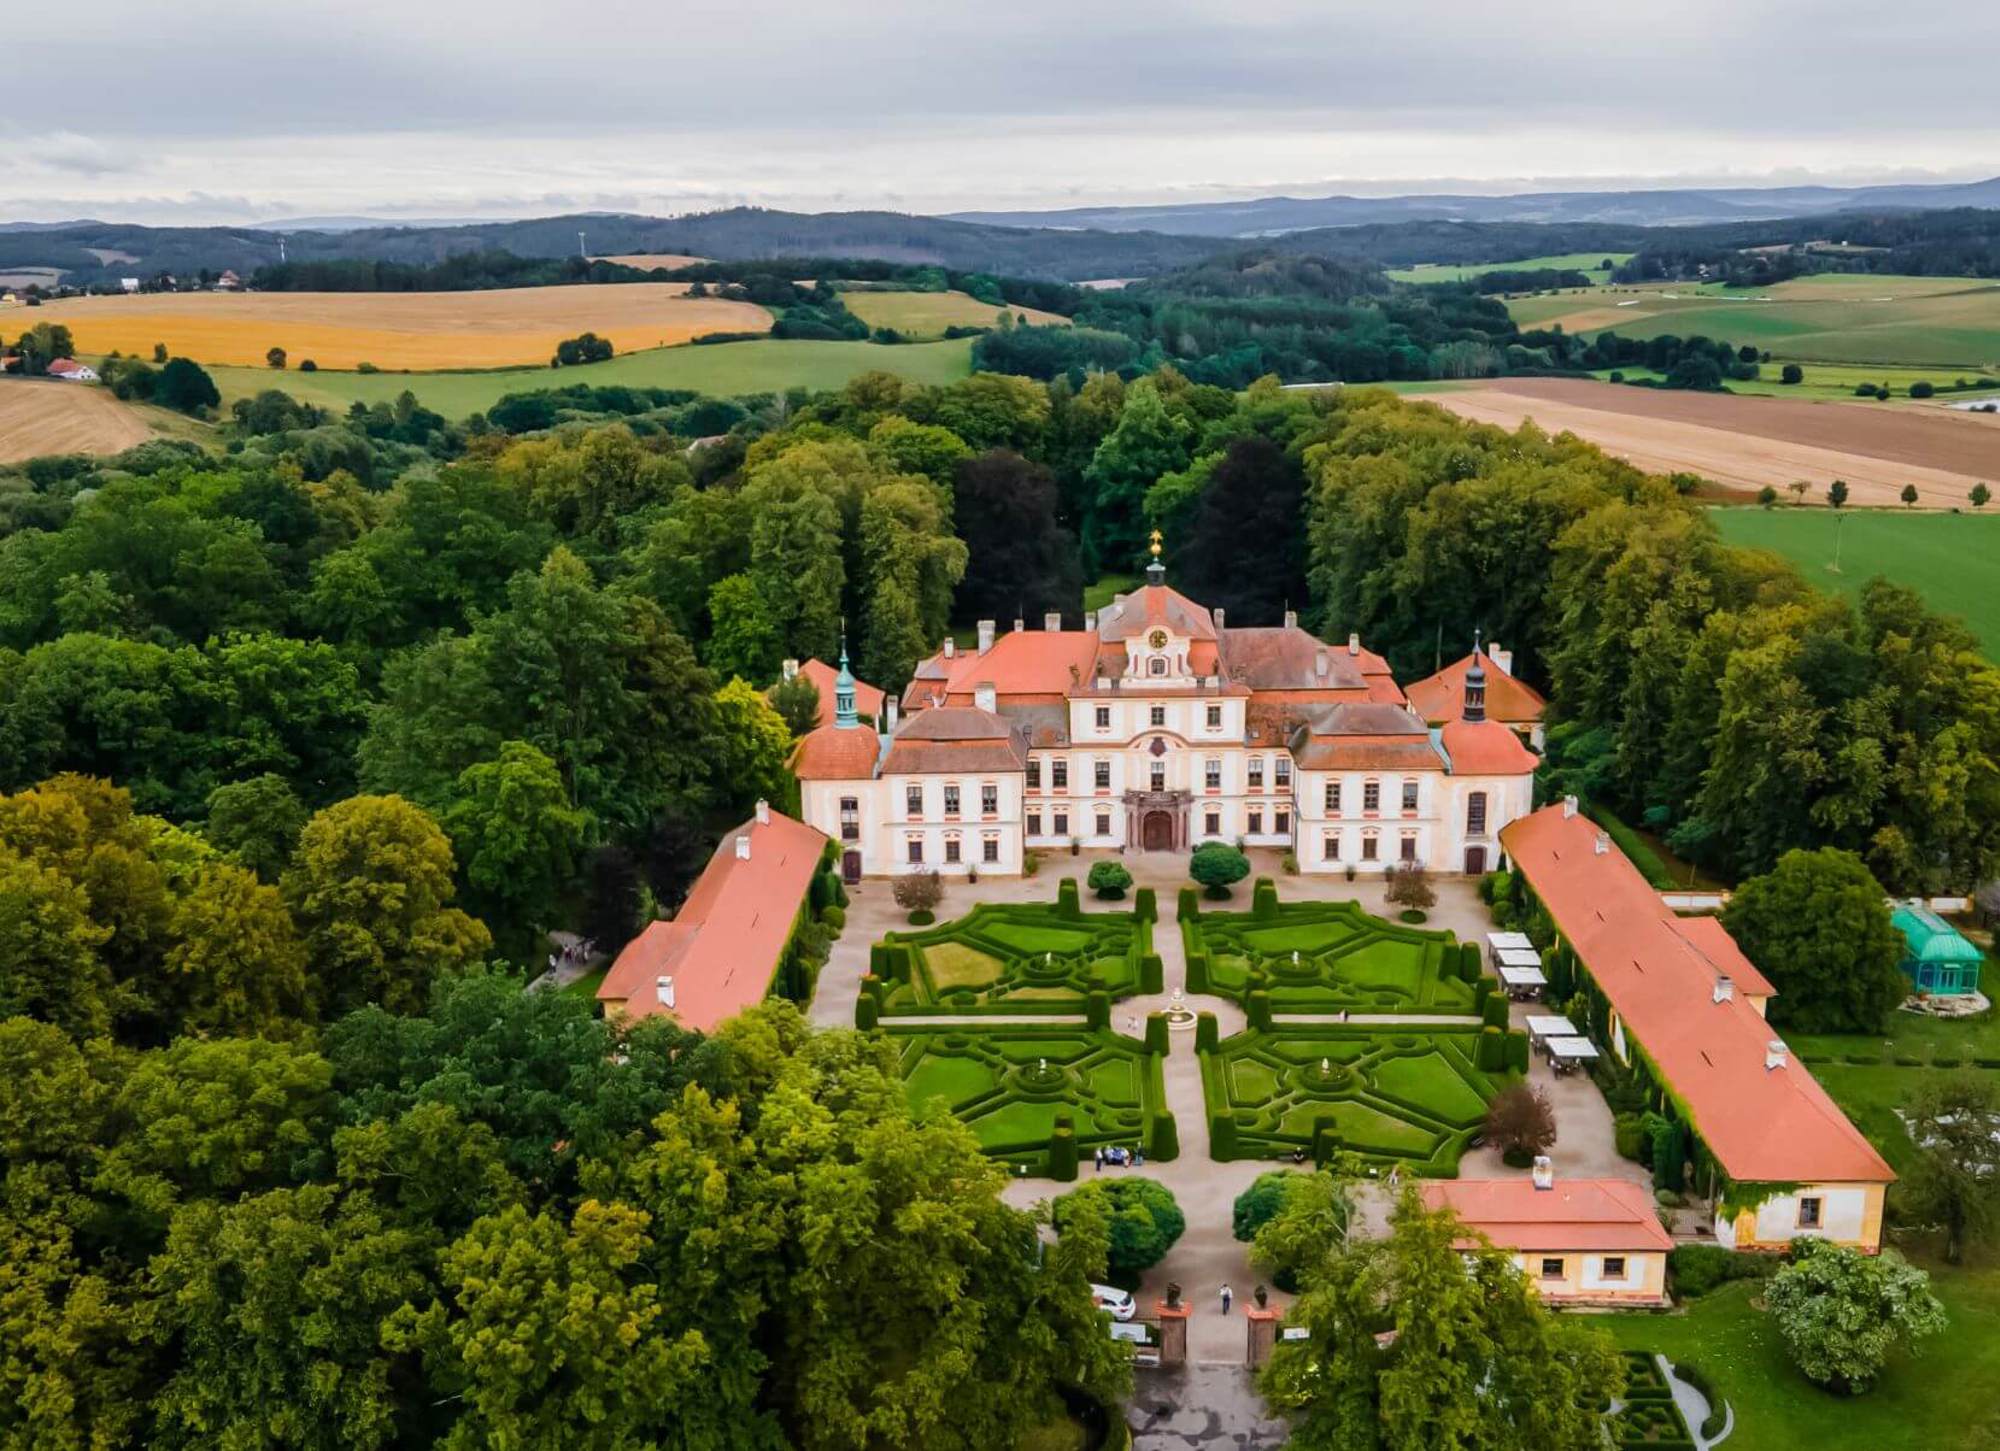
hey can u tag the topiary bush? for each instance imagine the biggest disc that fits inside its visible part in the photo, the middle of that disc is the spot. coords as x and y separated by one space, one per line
1493 1012
1491 1056
1097 1008
867 1012
1264 899
1468 961
922 917
1259 1008
1255 1206
1152 974
1108 881
1156 1033
1163 1138
1206 1034
1188 908
1066 898
1222 1135
1517 1050
1062 1150
1197 970
1218 866
834 917
1628 1137
1145 905
1146 1220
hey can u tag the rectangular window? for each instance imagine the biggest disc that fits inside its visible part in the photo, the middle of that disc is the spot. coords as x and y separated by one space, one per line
1368 846
1104 717
1211 774
1371 795
1059 774
1409 796
1034 823
913 801
1256 773
1211 824
1281 822
1552 1269
951 849
1104 823
989 799
1159 776
850 818
1101 774
1215 717
1614 1267
1409 849
1062 823
1282 766
916 850
1333 798
1256 822
951 798
1475 814
1157 715
1808 1214
1332 840
1034 775
989 849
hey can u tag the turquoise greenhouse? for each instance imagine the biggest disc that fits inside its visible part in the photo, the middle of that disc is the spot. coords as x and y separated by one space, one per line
1939 961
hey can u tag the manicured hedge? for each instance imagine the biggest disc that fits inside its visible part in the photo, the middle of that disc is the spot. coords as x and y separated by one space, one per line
1696 1269
1517 1051
867 1012
1205 1033
1260 1009
1156 1032
1197 970
1152 974
1264 899
1062 1150
1163 1138
1189 906
1097 1009
1067 904
1145 905
1468 961
1491 1056
1222 1135
1493 1012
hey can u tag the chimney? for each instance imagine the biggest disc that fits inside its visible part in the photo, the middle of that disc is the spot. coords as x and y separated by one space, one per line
983 695
663 987
1052 621
1502 658
889 712
1353 642
743 848
1569 807
1218 620
1725 988
1545 1172
985 636
763 812
791 669
1775 1054
1603 843
1319 662
950 648
1090 620
1291 619
1019 624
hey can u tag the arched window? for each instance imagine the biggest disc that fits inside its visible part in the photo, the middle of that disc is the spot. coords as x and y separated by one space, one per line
1157 665
1475 814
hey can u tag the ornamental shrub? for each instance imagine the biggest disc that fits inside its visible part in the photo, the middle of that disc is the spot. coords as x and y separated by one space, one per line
1697 1269
1062 1150
1066 898
1145 905
1108 880
1260 1009
1494 1011
922 917
1492 1052
1264 898
1156 1032
1097 1008
1152 973
1145 1219
1256 1205
866 1012
1627 1136
1197 970
1468 961
1517 1050
1222 1135
1163 1138
1205 1032
833 917
1217 866
1187 909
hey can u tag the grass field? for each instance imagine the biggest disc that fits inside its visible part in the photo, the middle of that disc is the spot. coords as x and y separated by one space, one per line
1942 1399
42 416
1394 1096
1325 957
1836 382
928 314
1912 322
1953 560
1008 1084
721 369
1449 272
423 330
1008 958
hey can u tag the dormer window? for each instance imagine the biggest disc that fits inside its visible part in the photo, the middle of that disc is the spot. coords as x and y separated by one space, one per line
1157 665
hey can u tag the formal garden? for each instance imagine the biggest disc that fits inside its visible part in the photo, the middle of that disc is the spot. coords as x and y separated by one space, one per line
1041 1098
1326 957
1646 1413
1013 959
1396 1097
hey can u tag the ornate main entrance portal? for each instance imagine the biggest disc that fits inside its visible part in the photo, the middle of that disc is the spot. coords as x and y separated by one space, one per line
1157 820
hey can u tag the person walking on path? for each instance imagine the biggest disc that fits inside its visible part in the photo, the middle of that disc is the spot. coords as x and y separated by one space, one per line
1227 1296
1100 1158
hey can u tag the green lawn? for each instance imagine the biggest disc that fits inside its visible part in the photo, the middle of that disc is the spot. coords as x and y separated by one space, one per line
1953 560
1396 1097
722 370
1009 1083
1451 272
1012 958
1947 1398
928 314
1346 959
586 986
1836 382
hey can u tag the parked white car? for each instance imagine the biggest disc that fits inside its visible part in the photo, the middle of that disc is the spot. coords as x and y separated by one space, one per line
1118 1304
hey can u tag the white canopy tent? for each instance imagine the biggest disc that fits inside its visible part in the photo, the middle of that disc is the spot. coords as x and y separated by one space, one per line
1550 1025
1509 942
1518 957
1571 1050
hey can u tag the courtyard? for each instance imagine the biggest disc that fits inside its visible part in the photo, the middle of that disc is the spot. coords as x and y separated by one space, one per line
1326 957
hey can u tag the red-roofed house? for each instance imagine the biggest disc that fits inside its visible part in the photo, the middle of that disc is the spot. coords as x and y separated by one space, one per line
69 370
1681 999
867 698
1579 1241
722 951
1440 698
1158 727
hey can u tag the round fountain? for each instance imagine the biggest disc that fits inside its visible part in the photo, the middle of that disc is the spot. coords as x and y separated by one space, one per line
1325 1076
1180 1017
1040 1079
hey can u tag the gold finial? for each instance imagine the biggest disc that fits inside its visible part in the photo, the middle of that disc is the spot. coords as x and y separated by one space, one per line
1156 544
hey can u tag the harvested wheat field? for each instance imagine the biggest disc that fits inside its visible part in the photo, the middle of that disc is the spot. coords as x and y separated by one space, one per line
650 261
39 417
419 331
1745 443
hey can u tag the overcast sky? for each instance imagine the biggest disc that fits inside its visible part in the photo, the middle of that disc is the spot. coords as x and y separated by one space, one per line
225 110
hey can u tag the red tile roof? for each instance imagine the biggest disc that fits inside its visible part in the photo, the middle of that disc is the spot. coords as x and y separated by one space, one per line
1285 657
1764 1125
1155 605
867 698
1441 697
954 738
722 947
1712 940
1485 748
1368 753
833 754
1021 662
1575 1215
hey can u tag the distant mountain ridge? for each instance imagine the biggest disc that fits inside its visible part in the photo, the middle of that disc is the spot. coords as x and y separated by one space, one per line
1271 216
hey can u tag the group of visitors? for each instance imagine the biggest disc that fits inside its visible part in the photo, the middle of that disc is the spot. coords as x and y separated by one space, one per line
580 949
1118 1158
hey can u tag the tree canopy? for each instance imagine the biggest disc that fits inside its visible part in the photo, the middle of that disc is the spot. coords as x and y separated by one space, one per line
1818 926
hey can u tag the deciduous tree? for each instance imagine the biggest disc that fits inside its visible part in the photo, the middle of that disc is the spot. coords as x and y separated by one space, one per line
1818 926
1841 1312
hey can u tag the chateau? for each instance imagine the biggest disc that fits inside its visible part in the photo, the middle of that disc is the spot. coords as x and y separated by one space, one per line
1156 727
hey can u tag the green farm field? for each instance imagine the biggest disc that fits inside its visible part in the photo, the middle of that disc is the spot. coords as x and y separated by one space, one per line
1914 322
720 369
1953 560
1449 272
928 314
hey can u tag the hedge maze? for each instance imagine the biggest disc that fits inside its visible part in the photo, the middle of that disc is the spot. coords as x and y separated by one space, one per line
1014 959
1409 1098
1328 957
1647 1415
1041 1097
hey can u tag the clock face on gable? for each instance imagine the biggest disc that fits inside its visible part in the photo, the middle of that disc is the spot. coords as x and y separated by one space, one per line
1158 639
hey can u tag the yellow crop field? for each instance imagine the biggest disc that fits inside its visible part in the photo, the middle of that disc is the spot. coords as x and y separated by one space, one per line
648 261
415 330
928 314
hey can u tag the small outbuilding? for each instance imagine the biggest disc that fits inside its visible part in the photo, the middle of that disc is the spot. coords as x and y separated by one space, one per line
1939 960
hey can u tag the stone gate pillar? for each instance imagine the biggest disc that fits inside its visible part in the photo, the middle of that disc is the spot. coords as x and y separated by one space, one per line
1173 1334
1261 1329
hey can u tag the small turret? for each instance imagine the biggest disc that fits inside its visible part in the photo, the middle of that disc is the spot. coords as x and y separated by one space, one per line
844 715
1475 686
